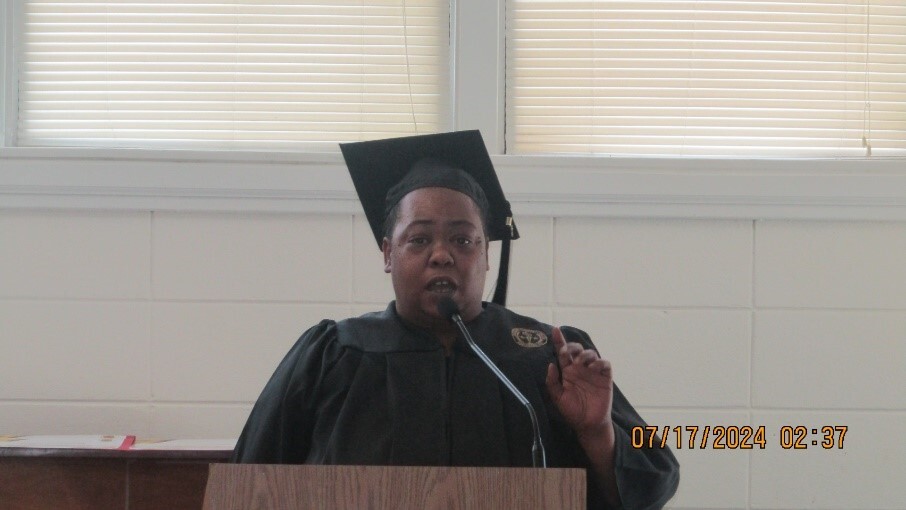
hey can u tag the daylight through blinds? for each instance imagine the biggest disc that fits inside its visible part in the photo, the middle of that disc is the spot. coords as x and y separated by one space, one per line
741 78
264 75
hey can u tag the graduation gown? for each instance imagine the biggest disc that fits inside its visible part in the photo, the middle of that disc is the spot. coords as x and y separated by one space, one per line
373 390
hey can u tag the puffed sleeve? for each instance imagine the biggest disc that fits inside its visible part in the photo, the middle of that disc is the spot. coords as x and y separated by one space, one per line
648 477
278 430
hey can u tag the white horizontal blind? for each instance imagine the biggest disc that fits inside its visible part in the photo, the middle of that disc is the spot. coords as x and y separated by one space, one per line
228 74
805 78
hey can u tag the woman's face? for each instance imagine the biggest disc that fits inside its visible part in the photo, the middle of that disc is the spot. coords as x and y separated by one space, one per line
438 248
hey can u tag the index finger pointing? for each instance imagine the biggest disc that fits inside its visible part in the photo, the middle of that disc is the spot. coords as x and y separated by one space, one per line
559 341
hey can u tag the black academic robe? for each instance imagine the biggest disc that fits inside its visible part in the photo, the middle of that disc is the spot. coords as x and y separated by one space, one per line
372 390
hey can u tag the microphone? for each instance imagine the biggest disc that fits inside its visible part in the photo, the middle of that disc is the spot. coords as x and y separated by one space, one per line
450 310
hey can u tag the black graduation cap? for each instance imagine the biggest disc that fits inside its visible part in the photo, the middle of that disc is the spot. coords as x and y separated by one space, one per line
383 171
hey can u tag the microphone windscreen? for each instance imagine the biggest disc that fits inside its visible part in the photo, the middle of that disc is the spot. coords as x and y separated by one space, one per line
447 307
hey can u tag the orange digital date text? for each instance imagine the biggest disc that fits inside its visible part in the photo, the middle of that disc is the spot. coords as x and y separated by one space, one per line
716 437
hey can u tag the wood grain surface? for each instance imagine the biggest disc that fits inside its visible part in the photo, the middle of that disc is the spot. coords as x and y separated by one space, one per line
251 487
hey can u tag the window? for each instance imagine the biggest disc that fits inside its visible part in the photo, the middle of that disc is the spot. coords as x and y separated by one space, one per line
666 77
289 172
266 75
678 78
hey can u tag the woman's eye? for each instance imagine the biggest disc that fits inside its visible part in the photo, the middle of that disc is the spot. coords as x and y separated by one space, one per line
418 240
463 241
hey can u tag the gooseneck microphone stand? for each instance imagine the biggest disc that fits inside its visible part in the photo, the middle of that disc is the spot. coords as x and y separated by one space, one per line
448 308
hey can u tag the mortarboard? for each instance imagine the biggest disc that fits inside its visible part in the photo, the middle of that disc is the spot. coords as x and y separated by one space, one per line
383 171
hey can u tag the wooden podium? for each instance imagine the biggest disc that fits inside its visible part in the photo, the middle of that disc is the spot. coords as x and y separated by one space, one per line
285 487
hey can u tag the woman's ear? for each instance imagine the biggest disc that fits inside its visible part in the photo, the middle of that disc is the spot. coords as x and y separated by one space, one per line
385 247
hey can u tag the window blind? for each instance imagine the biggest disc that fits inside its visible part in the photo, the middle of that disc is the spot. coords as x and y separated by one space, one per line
708 78
257 75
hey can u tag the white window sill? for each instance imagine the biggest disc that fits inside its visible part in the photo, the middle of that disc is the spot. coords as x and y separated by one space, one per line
126 179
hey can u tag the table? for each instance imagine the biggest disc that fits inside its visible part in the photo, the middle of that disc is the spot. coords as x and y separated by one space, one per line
59 478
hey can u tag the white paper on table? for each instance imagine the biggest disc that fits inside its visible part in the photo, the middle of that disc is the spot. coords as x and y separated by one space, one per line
87 442
184 444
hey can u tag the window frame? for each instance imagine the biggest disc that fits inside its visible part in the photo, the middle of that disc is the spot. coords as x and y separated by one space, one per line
713 188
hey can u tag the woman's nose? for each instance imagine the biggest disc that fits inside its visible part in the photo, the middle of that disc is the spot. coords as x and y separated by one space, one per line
440 254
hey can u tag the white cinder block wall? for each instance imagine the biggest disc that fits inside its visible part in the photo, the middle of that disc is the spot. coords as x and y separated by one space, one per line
167 324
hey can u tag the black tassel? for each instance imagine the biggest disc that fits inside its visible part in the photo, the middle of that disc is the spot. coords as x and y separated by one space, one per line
503 273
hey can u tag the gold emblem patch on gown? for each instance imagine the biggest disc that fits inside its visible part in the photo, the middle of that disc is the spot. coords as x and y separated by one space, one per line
529 337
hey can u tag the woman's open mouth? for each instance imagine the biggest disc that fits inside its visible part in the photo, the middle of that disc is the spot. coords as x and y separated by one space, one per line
441 286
